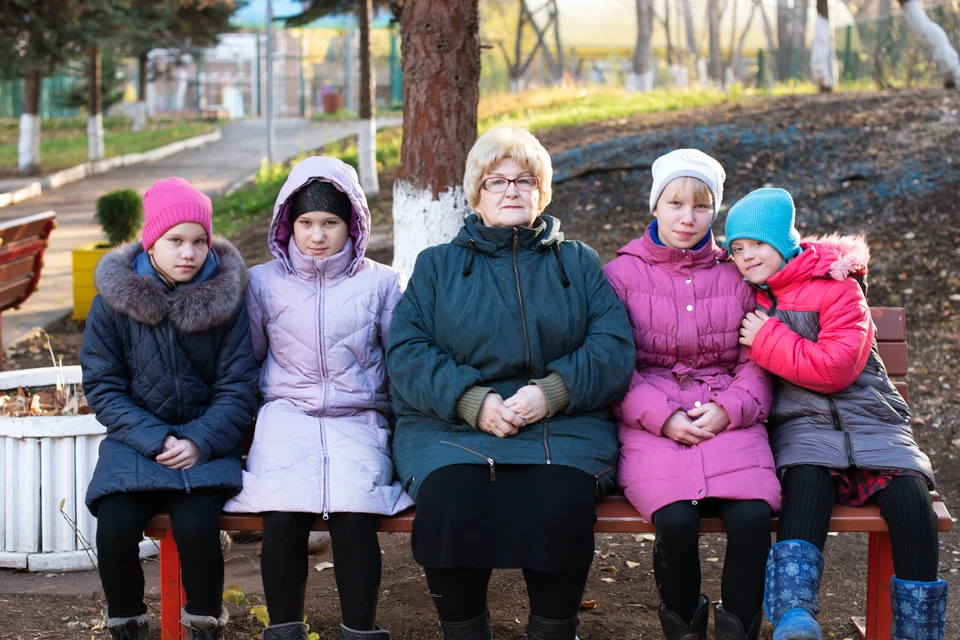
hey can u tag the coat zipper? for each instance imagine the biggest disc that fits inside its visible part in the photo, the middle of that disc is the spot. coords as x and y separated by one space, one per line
546 442
523 313
847 445
321 353
602 472
176 379
490 461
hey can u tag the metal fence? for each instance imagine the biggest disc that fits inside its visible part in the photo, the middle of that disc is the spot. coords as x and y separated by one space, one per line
53 92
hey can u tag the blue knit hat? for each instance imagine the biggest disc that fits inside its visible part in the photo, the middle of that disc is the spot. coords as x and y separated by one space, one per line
766 215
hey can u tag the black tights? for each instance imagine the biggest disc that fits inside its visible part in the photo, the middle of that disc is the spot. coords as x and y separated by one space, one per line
461 593
194 517
808 496
676 556
356 565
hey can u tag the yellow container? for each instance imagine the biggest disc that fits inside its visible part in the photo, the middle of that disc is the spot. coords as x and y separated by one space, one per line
85 260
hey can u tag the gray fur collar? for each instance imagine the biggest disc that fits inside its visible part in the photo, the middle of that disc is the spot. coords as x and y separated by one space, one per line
191 309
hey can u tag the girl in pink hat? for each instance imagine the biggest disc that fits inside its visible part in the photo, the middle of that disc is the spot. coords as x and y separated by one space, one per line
168 368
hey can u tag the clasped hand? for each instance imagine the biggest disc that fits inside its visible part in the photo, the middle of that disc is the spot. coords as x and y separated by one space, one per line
179 453
699 424
504 418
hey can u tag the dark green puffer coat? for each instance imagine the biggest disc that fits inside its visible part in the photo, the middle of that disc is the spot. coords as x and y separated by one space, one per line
499 307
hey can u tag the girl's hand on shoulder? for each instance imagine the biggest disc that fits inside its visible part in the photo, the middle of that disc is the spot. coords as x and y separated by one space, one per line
497 419
751 326
529 403
182 455
710 417
680 428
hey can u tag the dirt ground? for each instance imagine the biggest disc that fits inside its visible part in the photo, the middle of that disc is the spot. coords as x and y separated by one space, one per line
885 164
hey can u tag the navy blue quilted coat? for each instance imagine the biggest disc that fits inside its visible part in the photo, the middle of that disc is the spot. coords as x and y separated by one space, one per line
158 363
462 322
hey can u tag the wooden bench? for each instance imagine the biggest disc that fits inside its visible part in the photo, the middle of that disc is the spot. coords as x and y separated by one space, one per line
22 243
616 515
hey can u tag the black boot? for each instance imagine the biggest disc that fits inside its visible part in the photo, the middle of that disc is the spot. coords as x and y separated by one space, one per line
346 633
135 628
286 631
729 626
203 627
474 629
546 629
675 628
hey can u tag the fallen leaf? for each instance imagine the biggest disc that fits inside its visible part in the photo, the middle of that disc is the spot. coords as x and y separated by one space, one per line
324 565
260 613
609 569
713 559
588 604
649 537
632 564
607 580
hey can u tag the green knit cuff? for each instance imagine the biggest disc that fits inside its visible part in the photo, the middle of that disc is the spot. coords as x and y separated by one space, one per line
555 391
468 406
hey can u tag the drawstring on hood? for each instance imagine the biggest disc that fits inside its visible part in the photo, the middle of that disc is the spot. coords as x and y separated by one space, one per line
467 270
563 274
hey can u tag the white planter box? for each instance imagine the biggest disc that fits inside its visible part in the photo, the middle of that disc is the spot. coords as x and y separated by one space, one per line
43 461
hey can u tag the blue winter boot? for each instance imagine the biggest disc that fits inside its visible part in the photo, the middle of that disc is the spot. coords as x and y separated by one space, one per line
790 591
919 609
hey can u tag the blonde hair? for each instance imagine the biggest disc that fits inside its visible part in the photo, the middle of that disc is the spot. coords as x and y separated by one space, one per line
701 192
508 142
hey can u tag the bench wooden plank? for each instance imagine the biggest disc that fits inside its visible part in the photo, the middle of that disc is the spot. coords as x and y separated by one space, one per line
894 356
890 323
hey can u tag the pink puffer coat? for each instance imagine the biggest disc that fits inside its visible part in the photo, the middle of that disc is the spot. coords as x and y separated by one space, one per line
685 308
322 440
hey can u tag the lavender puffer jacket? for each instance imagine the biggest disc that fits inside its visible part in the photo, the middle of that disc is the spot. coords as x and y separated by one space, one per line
322 440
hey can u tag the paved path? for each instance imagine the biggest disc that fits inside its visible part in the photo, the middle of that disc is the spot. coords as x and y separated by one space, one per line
212 169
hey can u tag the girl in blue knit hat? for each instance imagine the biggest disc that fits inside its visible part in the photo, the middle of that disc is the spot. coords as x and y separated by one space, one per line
839 429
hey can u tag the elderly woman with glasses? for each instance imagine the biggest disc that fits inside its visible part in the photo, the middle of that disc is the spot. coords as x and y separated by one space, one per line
505 353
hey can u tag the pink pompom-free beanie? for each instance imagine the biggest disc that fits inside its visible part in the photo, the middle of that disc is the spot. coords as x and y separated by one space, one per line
171 202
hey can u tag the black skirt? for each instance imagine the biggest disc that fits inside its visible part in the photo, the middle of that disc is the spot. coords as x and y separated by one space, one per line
538 517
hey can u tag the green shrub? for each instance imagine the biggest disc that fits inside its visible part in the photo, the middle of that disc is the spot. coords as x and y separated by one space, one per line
120 213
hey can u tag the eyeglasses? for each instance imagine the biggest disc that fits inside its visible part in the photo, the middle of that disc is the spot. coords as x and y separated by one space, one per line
499 185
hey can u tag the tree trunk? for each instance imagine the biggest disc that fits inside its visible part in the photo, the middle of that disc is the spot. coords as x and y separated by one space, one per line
738 52
693 58
367 138
94 116
441 72
716 59
28 146
642 75
140 114
556 38
823 56
799 31
784 37
885 9
942 52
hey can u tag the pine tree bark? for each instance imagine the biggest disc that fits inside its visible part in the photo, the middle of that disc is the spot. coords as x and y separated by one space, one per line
441 72
140 115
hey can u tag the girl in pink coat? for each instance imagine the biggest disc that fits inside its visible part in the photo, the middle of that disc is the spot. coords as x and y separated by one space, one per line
691 429
320 317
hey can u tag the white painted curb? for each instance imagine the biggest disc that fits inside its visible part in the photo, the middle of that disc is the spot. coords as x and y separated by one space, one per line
81 171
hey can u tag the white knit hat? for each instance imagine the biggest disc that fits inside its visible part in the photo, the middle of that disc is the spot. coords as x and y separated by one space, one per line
690 163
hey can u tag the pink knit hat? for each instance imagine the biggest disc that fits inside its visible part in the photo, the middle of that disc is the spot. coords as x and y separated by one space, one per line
171 202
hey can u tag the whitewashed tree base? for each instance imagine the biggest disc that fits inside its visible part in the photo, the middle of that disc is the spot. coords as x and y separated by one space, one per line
943 53
823 55
678 73
421 221
43 461
640 81
95 137
139 116
28 146
367 154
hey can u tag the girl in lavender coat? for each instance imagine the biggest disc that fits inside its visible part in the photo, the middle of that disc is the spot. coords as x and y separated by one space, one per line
320 315
691 429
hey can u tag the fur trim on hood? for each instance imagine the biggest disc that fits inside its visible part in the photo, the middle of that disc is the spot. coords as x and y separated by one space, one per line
191 309
844 256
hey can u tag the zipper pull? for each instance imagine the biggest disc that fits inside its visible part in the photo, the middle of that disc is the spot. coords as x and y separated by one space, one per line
326 515
493 470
